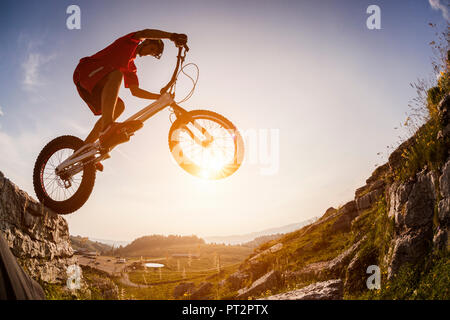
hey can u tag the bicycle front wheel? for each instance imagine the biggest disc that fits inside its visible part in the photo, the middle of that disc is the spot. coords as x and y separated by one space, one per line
206 144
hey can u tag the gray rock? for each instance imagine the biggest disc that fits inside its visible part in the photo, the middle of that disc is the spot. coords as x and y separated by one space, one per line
410 248
444 212
257 268
347 213
349 209
313 271
419 209
367 200
444 204
412 206
236 280
338 264
398 196
38 237
412 203
269 281
342 224
355 280
325 269
440 239
202 292
182 288
327 290
329 212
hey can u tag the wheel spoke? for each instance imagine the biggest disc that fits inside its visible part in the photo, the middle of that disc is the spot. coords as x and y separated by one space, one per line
214 158
54 186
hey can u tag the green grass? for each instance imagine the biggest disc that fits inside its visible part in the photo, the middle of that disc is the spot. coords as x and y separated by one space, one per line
429 279
91 277
302 248
162 289
56 292
160 286
426 150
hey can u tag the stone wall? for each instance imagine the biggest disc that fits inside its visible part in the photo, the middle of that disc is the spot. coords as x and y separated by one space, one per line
38 237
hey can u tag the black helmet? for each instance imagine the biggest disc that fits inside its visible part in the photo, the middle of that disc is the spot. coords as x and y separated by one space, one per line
159 44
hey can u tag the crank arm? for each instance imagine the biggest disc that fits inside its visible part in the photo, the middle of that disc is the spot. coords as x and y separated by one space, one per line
74 158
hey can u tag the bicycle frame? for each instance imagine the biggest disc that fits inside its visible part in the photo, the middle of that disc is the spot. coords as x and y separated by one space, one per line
91 150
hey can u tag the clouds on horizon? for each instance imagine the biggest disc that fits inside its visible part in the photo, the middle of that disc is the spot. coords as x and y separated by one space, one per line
437 5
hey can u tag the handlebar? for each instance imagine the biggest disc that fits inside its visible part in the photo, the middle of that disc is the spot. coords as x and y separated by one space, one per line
180 59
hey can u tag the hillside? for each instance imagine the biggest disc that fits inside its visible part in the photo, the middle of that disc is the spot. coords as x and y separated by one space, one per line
248 237
160 246
397 222
262 239
84 244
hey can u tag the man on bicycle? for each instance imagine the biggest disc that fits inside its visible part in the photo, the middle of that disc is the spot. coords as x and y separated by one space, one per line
98 79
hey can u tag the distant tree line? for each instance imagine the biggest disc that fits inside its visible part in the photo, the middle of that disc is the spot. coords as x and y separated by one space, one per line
156 243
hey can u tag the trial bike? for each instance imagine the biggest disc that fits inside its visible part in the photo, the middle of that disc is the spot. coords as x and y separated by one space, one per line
202 142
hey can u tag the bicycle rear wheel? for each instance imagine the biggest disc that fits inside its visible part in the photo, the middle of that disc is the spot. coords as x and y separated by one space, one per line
216 154
62 194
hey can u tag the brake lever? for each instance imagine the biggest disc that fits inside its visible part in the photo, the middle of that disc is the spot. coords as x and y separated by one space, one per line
183 46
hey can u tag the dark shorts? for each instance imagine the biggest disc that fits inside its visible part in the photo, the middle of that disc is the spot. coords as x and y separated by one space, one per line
94 99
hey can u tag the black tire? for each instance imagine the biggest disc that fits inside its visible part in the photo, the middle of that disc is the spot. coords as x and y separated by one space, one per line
85 187
224 123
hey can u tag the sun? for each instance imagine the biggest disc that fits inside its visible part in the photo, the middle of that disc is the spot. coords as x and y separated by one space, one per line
211 163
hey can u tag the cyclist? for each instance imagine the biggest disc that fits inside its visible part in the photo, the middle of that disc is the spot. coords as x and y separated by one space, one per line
98 79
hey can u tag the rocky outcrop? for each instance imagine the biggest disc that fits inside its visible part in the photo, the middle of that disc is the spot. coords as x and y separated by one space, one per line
236 280
329 212
183 288
412 208
269 281
327 290
203 291
391 223
345 217
324 270
375 186
444 204
272 249
356 275
188 290
38 237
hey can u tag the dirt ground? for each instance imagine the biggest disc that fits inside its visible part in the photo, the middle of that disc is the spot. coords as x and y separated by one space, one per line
104 263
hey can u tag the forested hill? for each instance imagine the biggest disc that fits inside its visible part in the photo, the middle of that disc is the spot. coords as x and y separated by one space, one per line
159 245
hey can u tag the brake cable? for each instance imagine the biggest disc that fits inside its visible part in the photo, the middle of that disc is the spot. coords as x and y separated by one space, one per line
194 82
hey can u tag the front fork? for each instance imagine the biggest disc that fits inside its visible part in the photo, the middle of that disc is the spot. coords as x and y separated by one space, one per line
181 113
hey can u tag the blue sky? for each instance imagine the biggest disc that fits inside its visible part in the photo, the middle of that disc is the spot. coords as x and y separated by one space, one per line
310 71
